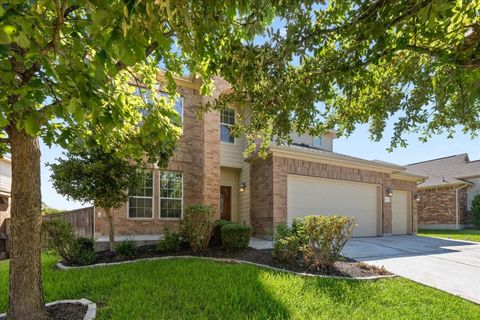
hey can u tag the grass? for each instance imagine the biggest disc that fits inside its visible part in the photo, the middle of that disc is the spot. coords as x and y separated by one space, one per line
465 234
196 289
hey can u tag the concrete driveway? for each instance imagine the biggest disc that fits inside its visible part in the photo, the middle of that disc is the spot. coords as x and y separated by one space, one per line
448 265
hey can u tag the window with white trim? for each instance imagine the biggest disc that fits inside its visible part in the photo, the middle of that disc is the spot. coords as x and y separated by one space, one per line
317 142
140 201
227 121
171 194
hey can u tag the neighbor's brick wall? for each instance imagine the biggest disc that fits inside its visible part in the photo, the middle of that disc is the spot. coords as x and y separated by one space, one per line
198 162
269 192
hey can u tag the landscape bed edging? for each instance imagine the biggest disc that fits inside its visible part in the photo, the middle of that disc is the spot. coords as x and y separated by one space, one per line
225 260
89 315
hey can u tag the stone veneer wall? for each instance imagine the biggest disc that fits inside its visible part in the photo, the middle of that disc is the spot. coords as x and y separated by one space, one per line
197 155
269 188
438 206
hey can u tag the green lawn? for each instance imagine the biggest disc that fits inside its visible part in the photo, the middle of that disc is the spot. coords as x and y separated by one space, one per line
196 289
466 234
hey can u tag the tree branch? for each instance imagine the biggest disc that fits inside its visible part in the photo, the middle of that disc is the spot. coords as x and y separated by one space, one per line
4 140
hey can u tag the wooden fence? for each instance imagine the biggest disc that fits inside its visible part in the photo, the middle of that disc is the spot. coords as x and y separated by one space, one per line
80 219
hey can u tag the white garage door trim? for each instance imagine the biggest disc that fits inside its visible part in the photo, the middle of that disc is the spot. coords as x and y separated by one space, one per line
401 212
318 196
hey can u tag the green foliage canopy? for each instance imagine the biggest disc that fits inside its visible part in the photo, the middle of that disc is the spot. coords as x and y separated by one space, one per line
337 64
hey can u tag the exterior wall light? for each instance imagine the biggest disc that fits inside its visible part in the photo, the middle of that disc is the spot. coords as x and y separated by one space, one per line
389 191
243 186
418 197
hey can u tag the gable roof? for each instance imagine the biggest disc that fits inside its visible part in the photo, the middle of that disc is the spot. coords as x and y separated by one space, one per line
446 171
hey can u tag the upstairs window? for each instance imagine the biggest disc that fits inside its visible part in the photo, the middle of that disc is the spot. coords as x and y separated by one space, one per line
317 142
227 121
140 201
145 94
178 104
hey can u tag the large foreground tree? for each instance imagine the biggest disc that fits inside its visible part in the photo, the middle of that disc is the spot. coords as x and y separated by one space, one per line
67 69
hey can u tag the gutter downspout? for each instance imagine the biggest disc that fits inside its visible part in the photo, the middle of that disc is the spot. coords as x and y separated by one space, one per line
457 207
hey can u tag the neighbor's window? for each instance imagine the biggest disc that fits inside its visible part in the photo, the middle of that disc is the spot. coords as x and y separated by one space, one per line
140 201
171 194
227 121
317 142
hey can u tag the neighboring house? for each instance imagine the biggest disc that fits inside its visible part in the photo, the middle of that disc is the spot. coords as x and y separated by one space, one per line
447 193
306 178
5 188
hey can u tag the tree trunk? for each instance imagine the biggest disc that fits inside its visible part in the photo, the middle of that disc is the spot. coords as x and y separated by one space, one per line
25 284
111 231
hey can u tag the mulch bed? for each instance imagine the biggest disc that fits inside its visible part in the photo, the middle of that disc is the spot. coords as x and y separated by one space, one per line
65 311
344 268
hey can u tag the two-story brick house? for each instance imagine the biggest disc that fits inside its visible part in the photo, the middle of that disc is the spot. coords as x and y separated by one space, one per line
306 178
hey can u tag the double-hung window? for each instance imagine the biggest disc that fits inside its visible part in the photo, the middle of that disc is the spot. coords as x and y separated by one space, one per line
140 201
227 121
171 194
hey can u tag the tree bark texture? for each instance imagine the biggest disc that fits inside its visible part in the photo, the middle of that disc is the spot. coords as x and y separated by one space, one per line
111 231
25 279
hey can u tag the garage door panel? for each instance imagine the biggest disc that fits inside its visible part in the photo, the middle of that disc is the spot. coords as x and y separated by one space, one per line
314 196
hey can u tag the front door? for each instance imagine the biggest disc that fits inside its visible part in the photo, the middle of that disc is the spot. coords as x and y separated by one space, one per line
225 203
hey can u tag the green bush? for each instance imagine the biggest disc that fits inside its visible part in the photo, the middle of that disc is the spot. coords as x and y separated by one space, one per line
216 239
475 208
197 226
235 236
83 251
322 238
286 244
58 236
126 248
171 242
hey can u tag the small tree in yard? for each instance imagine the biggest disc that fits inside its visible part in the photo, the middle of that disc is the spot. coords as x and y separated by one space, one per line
476 210
93 175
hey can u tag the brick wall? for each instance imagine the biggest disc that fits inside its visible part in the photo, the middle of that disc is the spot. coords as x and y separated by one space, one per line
438 206
269 191
197 155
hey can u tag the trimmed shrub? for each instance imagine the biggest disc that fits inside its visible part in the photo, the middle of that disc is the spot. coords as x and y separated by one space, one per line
171 242
83 251
475 208
58 236
216 239
322 238
286 244
126 248
197 226
235 236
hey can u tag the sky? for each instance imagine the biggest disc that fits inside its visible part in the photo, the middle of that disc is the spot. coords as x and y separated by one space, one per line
358 145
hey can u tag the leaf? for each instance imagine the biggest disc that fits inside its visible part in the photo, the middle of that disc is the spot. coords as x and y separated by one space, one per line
32 124
22 40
